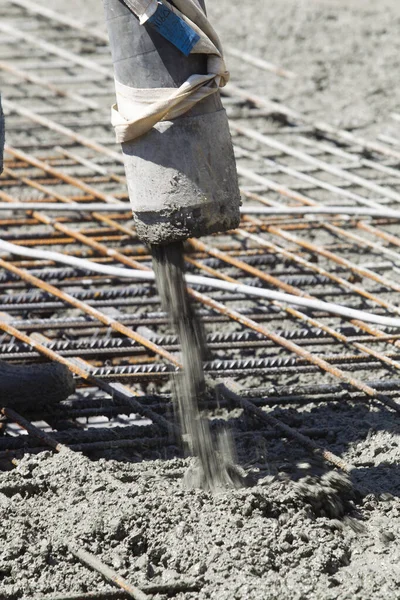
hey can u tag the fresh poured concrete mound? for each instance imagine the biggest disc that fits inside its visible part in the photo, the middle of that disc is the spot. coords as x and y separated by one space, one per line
280 538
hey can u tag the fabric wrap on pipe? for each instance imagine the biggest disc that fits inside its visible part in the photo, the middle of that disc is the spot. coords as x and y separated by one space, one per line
138 110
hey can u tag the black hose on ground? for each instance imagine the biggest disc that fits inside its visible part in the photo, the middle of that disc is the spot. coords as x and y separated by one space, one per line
31 385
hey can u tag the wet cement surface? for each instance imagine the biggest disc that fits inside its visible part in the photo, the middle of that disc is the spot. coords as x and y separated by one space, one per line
298 532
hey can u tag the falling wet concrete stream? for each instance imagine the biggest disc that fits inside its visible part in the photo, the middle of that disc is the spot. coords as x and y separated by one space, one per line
214 467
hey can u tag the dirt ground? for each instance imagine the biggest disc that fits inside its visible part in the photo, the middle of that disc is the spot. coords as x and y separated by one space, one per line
298 531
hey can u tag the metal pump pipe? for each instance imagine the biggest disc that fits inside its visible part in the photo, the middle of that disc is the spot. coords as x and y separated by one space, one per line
181 175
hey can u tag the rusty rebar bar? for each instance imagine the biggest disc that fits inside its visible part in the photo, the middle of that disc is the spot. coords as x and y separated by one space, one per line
98 565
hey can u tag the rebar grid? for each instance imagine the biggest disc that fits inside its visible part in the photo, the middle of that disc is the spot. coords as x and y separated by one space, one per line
60 148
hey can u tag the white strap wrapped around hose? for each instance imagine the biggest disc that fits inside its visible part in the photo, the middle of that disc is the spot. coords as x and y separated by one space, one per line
138 110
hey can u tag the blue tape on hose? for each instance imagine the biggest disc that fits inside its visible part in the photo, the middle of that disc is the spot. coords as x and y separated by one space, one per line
174 29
